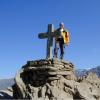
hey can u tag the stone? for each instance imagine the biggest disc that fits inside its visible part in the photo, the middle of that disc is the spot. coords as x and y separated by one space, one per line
88 88
6 94
46 80
43 79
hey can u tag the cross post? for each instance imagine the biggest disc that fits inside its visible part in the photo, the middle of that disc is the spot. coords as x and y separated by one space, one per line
49 36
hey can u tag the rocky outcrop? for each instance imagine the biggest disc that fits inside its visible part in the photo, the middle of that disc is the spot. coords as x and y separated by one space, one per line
54 80
89 87
45 80
6 94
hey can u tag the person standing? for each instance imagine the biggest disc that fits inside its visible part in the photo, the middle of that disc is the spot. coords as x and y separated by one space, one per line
61 39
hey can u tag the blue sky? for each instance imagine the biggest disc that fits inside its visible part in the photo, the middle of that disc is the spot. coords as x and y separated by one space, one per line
22 20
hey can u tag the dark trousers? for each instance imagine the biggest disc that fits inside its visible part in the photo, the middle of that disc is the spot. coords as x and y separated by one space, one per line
59 44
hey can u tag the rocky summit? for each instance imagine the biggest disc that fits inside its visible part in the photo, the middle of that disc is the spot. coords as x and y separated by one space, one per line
44 80
54 80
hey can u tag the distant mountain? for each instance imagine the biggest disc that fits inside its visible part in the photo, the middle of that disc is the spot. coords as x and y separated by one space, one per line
81 72
96 70
4 83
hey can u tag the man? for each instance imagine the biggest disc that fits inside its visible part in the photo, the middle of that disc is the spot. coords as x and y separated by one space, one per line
61 39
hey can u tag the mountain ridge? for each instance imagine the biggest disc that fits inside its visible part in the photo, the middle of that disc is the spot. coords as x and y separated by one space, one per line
82 72
5 83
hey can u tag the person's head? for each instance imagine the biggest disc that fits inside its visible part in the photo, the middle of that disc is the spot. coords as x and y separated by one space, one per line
61 25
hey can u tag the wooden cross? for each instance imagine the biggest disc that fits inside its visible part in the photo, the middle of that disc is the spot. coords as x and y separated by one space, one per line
49 35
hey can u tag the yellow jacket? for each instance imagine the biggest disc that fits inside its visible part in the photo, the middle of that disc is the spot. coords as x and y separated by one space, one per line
65 35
